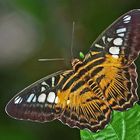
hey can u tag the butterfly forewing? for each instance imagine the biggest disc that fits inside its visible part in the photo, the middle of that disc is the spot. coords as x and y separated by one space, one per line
120 39
37 102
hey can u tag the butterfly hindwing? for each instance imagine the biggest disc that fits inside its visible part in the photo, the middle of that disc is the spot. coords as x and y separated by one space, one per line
119 87
84 109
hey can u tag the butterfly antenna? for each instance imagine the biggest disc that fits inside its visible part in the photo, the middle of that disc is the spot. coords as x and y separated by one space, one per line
53 59
72 40
62 59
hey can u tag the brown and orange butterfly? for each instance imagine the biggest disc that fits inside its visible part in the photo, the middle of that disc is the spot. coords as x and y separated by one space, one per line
85 96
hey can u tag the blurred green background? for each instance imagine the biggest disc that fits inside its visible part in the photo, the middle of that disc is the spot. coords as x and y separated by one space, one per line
33 29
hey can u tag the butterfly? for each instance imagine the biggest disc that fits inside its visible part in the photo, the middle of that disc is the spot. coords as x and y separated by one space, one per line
85 96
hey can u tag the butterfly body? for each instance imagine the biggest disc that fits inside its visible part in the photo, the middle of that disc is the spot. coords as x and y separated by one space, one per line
85 96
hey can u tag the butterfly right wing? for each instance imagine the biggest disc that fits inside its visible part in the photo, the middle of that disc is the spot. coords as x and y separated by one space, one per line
62 96
110 61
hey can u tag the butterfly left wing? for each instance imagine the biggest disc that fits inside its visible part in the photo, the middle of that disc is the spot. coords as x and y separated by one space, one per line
36 102
54 97
110 61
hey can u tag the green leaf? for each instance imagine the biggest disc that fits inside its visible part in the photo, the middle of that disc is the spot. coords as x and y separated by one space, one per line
124 126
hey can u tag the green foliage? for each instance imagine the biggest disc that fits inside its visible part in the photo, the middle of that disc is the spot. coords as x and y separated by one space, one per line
124 126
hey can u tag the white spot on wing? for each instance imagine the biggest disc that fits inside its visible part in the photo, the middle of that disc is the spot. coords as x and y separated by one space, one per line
115 56
34 99
30 98
56 100
126 16
43 89
45 84
42 98
127 19
114 50
18 100
121 34
99 46
103 38
51 97
17 97
121 30
109 39
53 81
118 41
68 102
